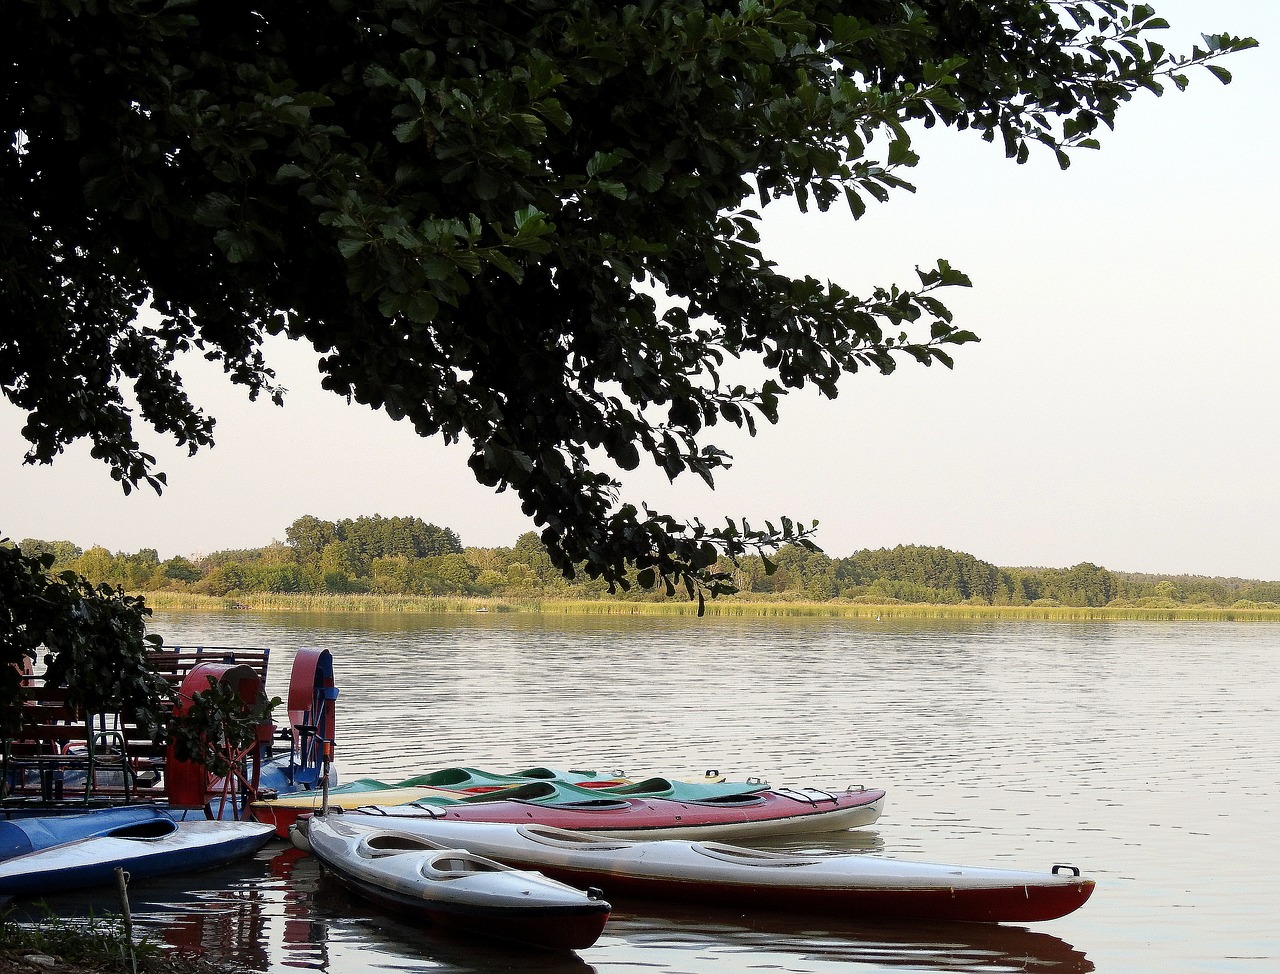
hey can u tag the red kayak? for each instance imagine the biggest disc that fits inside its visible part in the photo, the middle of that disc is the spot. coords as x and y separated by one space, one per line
783 811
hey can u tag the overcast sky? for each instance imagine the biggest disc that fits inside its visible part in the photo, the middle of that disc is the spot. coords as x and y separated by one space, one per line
1122 408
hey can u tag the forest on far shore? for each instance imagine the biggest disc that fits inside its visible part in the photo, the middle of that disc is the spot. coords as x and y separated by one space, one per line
408 556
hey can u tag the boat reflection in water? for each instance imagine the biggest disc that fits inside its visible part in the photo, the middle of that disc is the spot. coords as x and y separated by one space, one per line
780 941
303 940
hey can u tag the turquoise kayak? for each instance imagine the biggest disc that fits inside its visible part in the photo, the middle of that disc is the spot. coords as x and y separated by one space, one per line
476 784
562 792
476 779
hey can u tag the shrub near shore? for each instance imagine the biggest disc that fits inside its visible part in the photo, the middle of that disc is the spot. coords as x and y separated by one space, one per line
394 562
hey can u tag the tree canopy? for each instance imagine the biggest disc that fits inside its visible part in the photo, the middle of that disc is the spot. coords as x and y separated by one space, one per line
528 227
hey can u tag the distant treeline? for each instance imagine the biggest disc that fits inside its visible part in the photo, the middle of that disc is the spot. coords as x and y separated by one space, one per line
407 556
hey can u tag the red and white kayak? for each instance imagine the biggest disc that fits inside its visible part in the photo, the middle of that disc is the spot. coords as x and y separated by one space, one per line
774 812
852 886
455 887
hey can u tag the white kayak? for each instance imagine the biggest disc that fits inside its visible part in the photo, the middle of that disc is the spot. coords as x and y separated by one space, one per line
153 847
453 887
854 886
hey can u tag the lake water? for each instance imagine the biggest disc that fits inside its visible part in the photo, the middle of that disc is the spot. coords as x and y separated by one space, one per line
1147 754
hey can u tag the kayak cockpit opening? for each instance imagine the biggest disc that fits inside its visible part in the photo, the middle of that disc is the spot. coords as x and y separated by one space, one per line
410 810
745 798
564 838
146 831
649 786
394 844
542 774
455 863
751 857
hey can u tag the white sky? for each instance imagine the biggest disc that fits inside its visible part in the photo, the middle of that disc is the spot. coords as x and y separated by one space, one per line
1121 409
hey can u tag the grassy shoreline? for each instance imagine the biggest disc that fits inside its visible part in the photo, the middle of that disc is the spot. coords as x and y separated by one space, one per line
726 608
98 945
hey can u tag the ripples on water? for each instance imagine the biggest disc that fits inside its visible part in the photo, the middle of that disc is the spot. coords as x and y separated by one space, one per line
1146 753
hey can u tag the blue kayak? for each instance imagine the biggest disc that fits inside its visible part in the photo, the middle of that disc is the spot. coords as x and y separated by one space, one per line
144 850
20 836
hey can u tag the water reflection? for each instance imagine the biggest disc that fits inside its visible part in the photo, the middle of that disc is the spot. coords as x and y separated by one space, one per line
1122 748
304 935
786 942
359 936
224 914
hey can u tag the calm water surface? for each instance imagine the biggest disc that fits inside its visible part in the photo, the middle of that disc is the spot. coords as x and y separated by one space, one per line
1145 753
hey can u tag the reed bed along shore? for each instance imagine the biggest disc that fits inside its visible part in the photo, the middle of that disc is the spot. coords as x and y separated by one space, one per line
725 607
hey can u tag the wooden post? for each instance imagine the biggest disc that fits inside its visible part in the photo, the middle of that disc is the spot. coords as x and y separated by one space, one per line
126 918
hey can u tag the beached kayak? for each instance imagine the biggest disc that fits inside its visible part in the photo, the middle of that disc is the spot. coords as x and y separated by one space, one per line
654 805
454 887
772 812
20 836
853 886
152 848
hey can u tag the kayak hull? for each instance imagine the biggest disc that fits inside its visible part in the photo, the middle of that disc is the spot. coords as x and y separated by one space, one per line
851 886
456 889
1017 903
